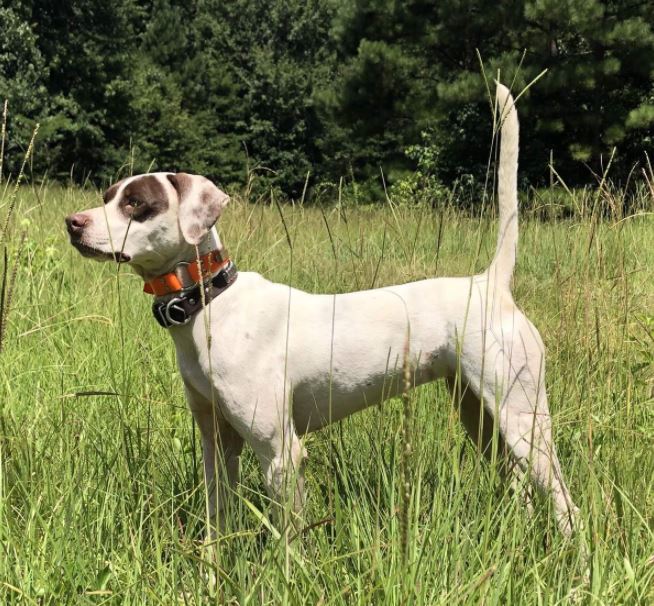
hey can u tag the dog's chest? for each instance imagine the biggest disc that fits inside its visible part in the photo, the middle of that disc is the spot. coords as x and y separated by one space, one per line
196 363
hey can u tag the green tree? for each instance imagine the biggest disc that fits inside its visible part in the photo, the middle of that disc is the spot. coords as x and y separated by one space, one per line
382 96
277 54
331 87
188 113
23 75
88 46
599 56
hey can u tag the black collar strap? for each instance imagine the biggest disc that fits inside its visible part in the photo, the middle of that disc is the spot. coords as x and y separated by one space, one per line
181 308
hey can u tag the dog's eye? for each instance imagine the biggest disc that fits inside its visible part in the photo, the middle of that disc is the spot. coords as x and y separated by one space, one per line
134 203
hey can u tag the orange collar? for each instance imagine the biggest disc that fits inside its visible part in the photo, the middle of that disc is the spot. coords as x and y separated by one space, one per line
187 275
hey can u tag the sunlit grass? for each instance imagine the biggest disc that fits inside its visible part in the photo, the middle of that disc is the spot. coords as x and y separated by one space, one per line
101 490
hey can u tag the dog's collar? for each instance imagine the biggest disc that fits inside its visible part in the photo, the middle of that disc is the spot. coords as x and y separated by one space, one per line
192 285
187 275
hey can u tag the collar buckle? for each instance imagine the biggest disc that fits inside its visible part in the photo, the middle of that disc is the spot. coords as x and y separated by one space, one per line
175 313
187 301
171 313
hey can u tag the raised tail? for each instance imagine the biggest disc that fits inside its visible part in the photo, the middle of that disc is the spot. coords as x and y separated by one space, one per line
501 268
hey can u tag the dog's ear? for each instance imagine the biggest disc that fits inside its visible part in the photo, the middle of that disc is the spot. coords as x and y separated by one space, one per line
200 205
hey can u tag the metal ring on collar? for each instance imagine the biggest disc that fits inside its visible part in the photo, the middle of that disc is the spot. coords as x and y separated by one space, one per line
172 305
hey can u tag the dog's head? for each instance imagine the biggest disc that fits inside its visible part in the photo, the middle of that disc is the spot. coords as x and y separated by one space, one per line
149 221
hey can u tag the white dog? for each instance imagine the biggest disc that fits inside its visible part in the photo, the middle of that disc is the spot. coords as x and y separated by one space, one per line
265 363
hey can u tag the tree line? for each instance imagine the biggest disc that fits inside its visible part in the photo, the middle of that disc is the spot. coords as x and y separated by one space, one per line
327 88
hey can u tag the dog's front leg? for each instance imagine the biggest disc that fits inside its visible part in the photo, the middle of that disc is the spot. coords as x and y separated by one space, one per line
221 448
282 462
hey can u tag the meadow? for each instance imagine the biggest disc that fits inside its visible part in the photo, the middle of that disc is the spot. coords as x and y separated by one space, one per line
101 489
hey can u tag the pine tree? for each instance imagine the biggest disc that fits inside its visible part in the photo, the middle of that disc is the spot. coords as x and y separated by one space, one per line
419 60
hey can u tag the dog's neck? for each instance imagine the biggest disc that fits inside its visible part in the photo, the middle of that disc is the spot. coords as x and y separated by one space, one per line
209 243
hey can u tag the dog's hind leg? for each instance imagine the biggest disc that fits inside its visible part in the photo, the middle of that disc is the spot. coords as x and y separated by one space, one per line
527 430
484 433
512 388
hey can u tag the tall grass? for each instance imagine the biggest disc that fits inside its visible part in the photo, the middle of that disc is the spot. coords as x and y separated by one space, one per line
101 490
7 272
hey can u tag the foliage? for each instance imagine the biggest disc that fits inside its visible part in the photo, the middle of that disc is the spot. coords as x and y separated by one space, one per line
600 61
333 88
422 186
22 75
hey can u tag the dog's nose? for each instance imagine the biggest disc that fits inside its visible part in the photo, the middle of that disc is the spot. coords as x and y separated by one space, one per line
76 223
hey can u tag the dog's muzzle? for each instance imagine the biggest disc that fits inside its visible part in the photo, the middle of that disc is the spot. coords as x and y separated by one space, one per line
75 226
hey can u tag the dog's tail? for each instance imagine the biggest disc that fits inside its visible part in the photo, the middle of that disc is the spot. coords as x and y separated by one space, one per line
501 268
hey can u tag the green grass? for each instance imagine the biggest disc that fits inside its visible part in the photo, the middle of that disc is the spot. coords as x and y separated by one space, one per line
101 491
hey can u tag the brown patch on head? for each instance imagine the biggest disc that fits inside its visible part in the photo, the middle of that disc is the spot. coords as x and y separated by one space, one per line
111 192
144 198
182 182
